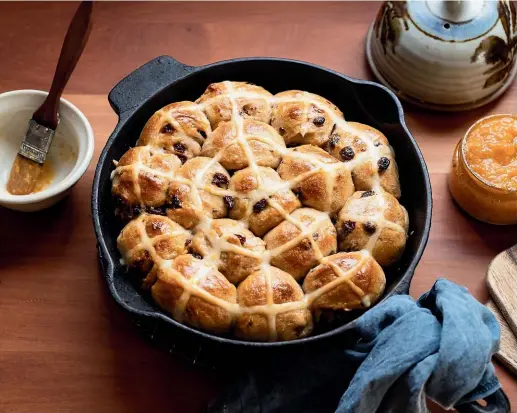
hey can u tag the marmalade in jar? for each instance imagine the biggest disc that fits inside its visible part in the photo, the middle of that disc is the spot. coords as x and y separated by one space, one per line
483 179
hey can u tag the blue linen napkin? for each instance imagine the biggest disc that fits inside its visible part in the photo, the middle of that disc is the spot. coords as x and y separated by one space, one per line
439 346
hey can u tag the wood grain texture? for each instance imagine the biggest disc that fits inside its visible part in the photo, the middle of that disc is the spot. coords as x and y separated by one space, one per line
508 351
64 345
501 280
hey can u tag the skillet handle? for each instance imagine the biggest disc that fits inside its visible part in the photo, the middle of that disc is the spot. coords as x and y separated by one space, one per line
403 287
144 82
495 403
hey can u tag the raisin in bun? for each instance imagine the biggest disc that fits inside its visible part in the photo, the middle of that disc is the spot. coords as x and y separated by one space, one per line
254 195
196 294
232 246
150 239
179 128
141 178
272 306
197 192
320 180
297 244
370 154
373 221
234 142
303 117
221 101
344 281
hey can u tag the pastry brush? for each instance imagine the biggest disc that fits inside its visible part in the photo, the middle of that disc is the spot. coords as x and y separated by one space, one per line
33 151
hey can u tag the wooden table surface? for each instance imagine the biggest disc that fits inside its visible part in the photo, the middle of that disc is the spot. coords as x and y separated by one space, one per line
64 345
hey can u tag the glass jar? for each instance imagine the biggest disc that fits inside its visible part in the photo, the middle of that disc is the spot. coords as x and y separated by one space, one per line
478 197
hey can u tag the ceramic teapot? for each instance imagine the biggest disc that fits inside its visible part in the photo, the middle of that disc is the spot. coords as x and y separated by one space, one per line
445 55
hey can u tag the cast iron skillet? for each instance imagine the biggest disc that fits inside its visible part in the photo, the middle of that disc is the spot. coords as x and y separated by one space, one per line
164 80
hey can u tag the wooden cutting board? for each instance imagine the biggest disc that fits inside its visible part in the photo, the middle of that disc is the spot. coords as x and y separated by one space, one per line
501 280
507 353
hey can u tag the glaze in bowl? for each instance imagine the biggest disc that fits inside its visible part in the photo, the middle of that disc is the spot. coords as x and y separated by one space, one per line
69 155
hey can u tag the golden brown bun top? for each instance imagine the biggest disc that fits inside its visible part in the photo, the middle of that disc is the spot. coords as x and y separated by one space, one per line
141 177
202 276
380 208
273 307
179 128
264 143
149 240
303 117
263 202
180 119
299 243
369 153
344 281
227 235
376 222
222 100
196 293
269 287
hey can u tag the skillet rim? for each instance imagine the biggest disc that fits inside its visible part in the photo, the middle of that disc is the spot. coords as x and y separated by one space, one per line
401 287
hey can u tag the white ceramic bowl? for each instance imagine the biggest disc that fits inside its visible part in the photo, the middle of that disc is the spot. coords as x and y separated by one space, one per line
445 55
69 155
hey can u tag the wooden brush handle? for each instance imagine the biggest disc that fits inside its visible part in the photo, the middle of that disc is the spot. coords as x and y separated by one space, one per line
73 46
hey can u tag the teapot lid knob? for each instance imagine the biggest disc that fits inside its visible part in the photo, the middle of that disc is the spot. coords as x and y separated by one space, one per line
456 11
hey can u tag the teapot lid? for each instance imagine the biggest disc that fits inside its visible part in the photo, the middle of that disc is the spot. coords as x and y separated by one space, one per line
453 21
446 55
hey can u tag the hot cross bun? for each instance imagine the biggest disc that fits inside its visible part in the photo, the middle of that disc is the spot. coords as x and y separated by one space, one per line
249 215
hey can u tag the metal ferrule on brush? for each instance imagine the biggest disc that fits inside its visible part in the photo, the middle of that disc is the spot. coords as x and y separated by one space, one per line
37 142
